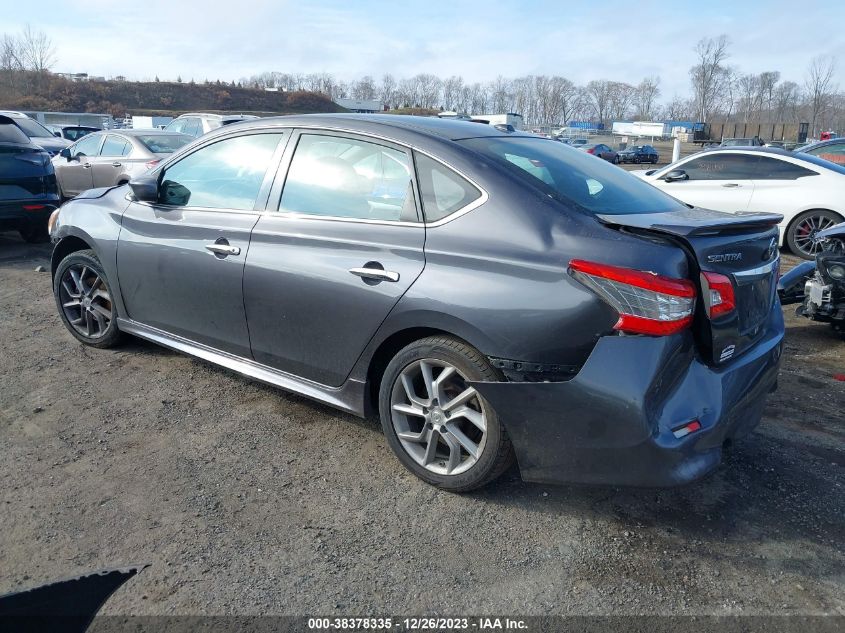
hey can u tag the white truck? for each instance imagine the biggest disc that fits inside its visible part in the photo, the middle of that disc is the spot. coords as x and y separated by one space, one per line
639 129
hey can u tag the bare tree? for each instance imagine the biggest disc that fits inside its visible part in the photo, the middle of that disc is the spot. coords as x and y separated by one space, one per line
37 51
364 88
598 93
645 98
387 91
819 87
707 75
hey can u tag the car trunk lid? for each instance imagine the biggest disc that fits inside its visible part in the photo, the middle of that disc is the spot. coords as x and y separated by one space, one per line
25 172
742 247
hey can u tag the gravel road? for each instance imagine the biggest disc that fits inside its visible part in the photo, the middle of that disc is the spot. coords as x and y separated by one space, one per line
249 500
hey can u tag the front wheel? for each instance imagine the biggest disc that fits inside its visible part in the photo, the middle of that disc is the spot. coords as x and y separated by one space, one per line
801 234
436 423
84 300
616 160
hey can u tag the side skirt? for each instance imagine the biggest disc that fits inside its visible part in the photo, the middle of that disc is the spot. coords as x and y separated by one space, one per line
349 397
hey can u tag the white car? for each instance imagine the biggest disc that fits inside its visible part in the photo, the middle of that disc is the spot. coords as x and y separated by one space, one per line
807 190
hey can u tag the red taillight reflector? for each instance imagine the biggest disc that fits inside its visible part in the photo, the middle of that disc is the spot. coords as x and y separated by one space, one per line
33 207
152 163
686 429
718 294
647 303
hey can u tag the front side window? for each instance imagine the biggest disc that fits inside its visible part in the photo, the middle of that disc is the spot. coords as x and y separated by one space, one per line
224 175
88 146
443 191
721 167
114 146
349 178
573 176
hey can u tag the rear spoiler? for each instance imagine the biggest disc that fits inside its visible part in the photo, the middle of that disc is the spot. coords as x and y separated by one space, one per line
689 222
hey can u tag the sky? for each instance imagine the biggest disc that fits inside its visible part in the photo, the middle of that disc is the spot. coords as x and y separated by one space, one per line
598 39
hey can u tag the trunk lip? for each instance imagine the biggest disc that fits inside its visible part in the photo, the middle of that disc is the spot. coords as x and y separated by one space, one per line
695 221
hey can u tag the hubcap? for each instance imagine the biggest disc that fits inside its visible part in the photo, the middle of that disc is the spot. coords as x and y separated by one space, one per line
86 301
806 230
438 418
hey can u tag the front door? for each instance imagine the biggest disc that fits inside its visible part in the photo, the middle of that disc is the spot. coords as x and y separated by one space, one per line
327 267
75 174
719 181
180 261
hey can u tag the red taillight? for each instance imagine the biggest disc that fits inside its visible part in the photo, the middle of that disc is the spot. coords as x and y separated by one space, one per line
152 163
592 150
647 303
718 294
33 207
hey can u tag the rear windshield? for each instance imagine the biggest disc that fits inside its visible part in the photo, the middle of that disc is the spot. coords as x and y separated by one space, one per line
573 176
33 129
164 143
9 133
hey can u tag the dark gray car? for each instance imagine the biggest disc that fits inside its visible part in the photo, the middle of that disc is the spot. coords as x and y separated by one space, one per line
490 295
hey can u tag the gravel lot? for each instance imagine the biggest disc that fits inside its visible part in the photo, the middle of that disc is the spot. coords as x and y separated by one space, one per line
248 500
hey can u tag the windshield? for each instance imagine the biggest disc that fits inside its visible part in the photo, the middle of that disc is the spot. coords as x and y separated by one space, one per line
572 176
32 128
164 143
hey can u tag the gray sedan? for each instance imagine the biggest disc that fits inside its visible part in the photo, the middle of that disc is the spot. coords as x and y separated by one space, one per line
490 295
108 158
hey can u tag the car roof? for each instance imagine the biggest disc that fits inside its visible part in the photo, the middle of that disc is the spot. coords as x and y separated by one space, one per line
12 114
832 141
150 132
400 126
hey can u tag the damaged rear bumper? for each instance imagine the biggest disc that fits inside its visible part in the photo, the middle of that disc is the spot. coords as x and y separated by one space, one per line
613 422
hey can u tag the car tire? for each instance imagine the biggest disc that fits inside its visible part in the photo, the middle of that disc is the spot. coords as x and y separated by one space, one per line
84 299
800 232
616 159
449 364
34 232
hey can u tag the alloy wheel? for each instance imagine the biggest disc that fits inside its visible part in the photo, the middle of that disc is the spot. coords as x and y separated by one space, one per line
438 418
805 233
85 301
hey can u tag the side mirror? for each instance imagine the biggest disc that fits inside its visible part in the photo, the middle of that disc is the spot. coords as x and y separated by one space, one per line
676 175
145 188
65 153
59 134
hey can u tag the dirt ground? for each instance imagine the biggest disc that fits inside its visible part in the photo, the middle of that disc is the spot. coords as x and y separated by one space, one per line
249 500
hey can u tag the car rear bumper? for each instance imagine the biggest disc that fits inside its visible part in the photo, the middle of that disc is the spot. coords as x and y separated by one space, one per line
29 210
613 422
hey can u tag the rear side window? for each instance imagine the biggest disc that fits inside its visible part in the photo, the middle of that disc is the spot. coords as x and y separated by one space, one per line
11 133
774 169
443 191
349 178
224 175
115 146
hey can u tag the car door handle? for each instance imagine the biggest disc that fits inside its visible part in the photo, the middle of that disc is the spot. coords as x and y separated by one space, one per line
86 166
223 249
731 184
117 164
375 273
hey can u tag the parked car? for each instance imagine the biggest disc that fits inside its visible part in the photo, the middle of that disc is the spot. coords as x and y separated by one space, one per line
71 132
601 150
37 133
487 294
742 142
807 190
198 123
28 193
577 142
832 150
639 154
108 158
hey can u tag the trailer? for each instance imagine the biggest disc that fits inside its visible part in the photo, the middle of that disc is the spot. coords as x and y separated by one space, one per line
639 129
508 118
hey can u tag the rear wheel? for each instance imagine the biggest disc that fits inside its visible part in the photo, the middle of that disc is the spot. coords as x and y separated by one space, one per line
84 299
439 426
801 234
616 159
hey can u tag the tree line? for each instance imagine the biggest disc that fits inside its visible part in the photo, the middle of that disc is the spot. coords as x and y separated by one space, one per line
719 91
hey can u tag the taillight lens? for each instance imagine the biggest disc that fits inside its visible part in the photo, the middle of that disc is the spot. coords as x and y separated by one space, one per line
152 163
647 303
591 150
718 294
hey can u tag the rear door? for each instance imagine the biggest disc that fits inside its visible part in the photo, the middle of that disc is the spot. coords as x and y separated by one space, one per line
719 181
75 174
180 261
342 245
108 166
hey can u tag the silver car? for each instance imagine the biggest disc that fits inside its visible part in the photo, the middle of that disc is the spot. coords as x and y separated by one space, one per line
109 158
198 123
